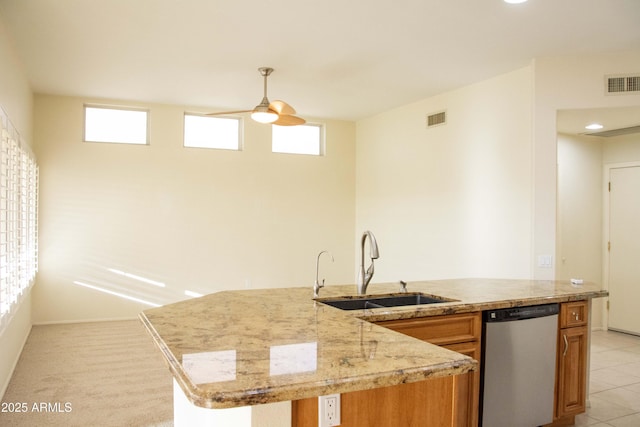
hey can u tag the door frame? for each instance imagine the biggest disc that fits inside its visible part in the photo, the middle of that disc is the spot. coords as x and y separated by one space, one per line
605 231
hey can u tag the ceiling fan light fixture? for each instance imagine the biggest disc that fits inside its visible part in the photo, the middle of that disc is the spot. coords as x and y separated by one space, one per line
277 112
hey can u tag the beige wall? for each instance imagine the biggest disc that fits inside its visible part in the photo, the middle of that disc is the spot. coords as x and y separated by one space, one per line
563 83
453 200
622 149
17 101
16 97
194 219
580 204
422 192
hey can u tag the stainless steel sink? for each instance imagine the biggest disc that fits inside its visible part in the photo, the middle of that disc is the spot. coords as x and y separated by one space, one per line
383 301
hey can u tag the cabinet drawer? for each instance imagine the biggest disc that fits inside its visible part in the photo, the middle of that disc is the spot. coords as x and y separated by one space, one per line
470 348
440 330
574 314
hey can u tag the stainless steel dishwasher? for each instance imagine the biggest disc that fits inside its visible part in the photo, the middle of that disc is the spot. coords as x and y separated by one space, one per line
519 366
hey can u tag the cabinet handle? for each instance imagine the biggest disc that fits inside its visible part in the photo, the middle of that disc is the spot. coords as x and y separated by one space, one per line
566 345
576 316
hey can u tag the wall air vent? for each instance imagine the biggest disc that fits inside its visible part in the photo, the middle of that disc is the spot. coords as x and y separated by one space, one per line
436 119
622 84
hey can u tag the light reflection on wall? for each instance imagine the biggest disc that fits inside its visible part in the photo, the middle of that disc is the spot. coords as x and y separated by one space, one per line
117 294
133 287
208 226
136 277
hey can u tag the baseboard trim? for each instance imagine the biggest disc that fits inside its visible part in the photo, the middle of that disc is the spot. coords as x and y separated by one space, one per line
64 322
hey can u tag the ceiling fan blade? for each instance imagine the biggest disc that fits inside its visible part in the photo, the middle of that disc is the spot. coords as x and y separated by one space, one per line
223 113
288 120
281 107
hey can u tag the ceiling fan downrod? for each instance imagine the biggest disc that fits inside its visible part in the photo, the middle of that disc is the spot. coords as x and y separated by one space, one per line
265 72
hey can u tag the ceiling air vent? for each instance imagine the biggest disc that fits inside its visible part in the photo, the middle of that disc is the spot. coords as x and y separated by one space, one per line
622 84
436 119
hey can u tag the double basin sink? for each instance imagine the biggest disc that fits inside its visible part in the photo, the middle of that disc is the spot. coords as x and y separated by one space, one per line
383 301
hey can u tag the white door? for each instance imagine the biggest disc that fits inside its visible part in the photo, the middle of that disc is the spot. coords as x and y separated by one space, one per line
624 255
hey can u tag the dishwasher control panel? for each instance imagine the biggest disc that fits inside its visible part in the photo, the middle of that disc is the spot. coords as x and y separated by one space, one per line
521 313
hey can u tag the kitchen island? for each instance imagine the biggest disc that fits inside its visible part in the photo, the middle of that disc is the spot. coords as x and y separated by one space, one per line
236 349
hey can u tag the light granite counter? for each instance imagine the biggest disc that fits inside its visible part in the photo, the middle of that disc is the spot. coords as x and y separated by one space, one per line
239 348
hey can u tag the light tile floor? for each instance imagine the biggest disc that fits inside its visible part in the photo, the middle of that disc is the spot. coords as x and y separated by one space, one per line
614 384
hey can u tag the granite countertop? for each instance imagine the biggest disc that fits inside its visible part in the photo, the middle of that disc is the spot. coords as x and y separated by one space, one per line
238 348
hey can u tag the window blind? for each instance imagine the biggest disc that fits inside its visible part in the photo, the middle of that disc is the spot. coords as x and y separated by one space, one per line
18 219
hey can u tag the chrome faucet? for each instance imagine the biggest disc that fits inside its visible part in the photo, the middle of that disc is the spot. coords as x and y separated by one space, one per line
317 285
365 277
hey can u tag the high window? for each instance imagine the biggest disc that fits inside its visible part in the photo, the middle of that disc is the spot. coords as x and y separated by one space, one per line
212 132
119 125
301 139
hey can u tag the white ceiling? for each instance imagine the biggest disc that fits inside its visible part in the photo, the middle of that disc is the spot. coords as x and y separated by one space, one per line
344 59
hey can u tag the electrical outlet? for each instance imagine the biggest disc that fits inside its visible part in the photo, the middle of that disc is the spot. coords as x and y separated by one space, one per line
329 410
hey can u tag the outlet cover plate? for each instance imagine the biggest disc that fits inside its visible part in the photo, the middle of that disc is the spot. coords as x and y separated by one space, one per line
329 410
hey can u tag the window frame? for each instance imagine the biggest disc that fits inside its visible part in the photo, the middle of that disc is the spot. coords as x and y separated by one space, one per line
116 108
321 140
238 120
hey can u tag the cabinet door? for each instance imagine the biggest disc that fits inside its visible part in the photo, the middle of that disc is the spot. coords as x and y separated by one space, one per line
467 388
460 333
572 371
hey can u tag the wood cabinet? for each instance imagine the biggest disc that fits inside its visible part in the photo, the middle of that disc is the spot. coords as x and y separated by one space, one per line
457 332
571 369
573 314
448 401
454 401
393 406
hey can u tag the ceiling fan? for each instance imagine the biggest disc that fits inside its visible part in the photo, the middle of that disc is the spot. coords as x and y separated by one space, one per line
276 112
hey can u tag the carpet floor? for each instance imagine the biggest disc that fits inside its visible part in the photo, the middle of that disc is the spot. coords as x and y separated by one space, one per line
89 374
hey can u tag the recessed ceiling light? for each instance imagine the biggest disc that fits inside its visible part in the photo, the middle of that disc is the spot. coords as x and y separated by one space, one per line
514 1
594 126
